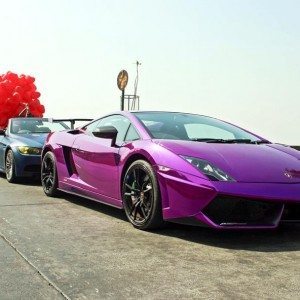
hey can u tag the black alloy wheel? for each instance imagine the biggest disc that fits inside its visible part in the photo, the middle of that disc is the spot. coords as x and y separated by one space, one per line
49 175
10 168
141 196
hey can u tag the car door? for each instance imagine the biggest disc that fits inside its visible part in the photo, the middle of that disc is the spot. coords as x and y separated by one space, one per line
96 161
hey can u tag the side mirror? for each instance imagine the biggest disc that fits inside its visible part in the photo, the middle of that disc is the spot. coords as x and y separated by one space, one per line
2 131
107 132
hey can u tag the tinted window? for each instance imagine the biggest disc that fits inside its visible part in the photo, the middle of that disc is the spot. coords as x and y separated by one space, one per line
181 126
198 131
91 127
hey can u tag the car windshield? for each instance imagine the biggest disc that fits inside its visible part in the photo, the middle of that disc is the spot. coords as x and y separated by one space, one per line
35 126
183 126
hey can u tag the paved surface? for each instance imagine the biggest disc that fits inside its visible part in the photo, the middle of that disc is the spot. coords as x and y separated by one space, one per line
73 248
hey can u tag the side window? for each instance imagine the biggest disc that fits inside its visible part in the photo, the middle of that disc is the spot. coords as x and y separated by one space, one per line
132 134
119 122
91 127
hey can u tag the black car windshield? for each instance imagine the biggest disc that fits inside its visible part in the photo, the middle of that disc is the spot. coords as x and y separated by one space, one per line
35 126
183 126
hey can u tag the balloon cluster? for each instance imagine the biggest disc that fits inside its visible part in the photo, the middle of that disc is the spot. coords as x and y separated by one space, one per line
18 97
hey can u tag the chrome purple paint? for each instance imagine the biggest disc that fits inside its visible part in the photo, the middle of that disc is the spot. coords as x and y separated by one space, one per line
259 170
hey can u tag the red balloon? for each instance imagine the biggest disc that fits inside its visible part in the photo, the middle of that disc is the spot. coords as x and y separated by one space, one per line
32 87
19 89
17 92
30 79
12 76
36 95
16 96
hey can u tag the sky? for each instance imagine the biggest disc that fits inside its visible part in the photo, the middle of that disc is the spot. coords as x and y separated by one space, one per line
237 60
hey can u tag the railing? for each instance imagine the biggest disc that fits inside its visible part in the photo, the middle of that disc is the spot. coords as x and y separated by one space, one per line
72 121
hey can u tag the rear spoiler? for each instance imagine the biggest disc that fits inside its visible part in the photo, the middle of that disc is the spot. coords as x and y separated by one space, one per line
72 121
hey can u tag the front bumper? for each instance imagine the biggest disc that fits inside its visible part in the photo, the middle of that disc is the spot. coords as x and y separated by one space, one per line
27 165
227 205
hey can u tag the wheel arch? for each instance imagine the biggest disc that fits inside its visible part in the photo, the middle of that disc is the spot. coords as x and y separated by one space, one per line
4 156
14 176
134 157
45 150
7 149
156 221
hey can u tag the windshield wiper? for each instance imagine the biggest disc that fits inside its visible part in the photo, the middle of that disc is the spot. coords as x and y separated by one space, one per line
258 142
229 141
208 140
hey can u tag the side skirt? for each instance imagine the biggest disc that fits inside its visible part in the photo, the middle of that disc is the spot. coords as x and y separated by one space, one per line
86 194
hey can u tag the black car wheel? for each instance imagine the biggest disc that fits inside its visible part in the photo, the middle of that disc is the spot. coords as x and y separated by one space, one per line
10 168
141 196
49 175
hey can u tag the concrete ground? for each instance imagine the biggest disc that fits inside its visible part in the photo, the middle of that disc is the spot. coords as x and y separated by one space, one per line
72 248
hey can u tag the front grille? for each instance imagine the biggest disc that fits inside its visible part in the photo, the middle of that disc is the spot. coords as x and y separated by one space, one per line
33 168
231 211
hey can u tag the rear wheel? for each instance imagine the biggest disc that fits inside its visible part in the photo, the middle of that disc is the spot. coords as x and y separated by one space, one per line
141 196
10 168
49 175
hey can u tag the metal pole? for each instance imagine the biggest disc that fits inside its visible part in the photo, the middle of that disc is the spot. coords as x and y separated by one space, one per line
122 99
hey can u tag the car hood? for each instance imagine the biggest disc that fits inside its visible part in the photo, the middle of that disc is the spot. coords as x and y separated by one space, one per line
269 163
32 140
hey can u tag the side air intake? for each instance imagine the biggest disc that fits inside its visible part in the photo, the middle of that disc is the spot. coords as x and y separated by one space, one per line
69 160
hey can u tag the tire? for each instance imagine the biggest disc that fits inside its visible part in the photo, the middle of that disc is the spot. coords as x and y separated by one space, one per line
10 167
141 196
49 177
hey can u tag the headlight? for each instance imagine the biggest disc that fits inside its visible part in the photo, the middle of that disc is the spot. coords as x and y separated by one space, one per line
29 150
211 171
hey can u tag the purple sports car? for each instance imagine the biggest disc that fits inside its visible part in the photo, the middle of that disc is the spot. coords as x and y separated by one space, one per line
179 167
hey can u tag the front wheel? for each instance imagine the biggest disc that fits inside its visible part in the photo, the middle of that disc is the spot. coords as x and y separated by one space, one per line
49 175
141 196
10 167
